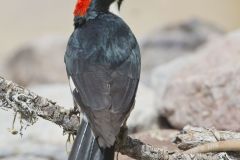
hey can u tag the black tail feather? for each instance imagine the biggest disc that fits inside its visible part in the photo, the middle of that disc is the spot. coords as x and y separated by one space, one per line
108 153
85 146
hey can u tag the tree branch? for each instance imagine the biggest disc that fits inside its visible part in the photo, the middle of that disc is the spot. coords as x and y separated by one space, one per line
30 106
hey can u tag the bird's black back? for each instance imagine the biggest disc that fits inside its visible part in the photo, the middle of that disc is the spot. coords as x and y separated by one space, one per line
103 60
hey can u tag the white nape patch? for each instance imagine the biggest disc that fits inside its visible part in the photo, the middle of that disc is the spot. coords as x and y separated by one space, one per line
114 8
71 83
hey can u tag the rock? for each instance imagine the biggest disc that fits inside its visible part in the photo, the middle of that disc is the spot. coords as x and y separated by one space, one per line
38 62
204 88
174 41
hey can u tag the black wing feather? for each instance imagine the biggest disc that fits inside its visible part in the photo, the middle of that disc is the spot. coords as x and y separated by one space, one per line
103 60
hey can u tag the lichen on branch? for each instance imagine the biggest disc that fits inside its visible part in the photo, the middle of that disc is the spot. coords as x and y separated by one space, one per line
30 106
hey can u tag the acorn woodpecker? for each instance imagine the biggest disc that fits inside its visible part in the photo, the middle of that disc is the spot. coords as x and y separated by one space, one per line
103 67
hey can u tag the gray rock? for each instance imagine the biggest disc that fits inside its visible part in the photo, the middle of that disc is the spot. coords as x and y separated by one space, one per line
174 41
204 88
38 62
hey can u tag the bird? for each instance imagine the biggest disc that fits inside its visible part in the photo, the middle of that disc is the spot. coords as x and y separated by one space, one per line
103 66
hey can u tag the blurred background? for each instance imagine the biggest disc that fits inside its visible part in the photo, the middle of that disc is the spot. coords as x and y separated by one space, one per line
190 68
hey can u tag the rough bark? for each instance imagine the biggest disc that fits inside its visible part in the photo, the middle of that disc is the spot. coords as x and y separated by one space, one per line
31 106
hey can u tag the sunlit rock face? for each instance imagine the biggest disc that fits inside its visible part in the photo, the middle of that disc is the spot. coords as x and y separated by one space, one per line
202 89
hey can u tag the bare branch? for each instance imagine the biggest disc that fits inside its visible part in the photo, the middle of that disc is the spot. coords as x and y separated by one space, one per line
30 106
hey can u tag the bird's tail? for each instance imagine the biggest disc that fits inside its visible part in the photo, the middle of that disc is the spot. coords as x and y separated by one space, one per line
85 146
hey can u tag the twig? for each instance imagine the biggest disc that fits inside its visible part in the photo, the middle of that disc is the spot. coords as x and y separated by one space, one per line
221 146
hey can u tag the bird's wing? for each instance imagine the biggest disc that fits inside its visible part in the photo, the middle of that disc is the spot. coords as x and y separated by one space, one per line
105 80
104 86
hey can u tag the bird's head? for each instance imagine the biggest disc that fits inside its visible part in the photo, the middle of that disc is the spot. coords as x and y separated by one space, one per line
83 6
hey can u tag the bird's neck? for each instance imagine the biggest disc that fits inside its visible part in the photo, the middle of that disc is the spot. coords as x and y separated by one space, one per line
99 6
89 9
86 7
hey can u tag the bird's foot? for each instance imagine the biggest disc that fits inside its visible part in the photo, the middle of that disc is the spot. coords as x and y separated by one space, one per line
121 139
122 136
